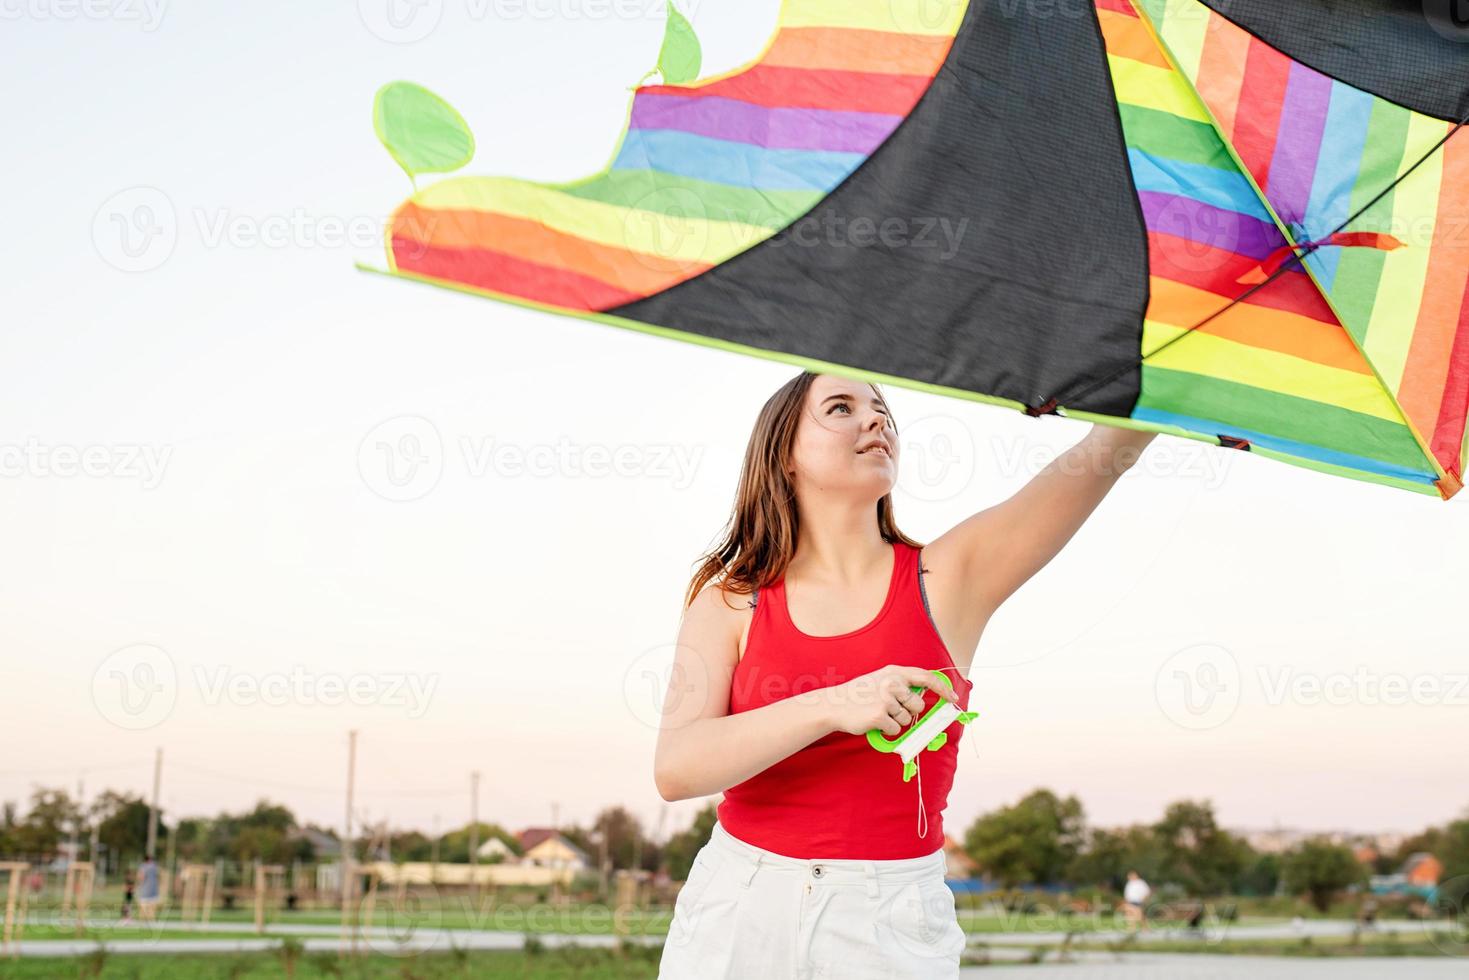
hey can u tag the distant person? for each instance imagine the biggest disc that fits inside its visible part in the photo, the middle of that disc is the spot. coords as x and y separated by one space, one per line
148 889
1134 896
127 898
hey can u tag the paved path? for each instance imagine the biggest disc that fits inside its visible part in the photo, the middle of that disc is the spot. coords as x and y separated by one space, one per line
1183 966
384 939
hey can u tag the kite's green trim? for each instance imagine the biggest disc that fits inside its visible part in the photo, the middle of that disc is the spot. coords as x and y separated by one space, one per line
1362 476
827 367
1239 162
810 364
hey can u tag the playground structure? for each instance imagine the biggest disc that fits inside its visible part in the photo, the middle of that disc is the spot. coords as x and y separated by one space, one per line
80 877
196 882
14 917
269 879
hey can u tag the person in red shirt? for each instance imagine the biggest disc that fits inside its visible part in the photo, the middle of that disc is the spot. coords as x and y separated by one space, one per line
814 621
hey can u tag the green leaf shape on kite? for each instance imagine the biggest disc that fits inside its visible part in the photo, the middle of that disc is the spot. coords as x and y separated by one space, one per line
424 133
681 56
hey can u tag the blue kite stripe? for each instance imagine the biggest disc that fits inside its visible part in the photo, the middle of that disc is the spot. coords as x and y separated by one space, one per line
1288 446
1219 188
739 164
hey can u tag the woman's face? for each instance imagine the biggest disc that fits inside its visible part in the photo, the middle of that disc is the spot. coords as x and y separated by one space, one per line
845 439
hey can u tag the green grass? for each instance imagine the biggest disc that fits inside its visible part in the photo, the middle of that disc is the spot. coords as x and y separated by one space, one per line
107 935
1381 944
557 964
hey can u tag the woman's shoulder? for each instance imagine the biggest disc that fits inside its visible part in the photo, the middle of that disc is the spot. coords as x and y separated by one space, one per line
716 599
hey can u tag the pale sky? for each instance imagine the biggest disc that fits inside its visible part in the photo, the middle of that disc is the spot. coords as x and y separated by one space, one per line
209 517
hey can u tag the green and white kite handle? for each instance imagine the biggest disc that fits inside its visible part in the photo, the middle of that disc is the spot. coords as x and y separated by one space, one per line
929 732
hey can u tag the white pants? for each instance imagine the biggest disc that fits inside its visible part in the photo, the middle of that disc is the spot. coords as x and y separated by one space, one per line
752 914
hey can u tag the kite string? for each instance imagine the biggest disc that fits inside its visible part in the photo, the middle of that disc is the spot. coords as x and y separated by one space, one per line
1307 248
918 771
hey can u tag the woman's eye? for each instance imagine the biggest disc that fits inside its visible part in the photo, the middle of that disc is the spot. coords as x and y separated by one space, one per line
837 406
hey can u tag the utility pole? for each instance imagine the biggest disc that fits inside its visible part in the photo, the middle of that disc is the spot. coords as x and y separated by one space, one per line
347 837
169 875
433 878
153 807
474 833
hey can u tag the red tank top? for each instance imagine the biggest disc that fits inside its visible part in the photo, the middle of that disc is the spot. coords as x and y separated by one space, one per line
839 797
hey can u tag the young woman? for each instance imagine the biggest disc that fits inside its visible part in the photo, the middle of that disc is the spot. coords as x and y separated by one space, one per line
809 625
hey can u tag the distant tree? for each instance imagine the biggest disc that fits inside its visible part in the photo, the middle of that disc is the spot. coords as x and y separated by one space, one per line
454 848
48 822
1197 854
411 845
1033 842
8 821
678 853
122 825
1451 846
623 832
1109 854
1261 877
1321 869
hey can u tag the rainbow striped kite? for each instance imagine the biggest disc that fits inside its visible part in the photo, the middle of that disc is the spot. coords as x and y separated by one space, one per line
1238 221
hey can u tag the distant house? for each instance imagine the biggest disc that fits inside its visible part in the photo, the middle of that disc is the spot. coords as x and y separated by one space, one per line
326 846
495 848
1419 875
1422 869
545 847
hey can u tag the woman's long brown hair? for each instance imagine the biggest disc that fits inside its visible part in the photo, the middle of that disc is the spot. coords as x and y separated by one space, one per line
760 538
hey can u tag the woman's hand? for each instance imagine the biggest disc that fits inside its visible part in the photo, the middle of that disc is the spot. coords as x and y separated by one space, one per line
882 699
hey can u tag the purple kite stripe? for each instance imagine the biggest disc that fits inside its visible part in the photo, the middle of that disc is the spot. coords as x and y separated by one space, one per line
1298 146
1220 228
783 129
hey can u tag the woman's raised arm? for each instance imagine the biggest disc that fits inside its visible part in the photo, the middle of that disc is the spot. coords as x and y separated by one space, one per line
996 551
